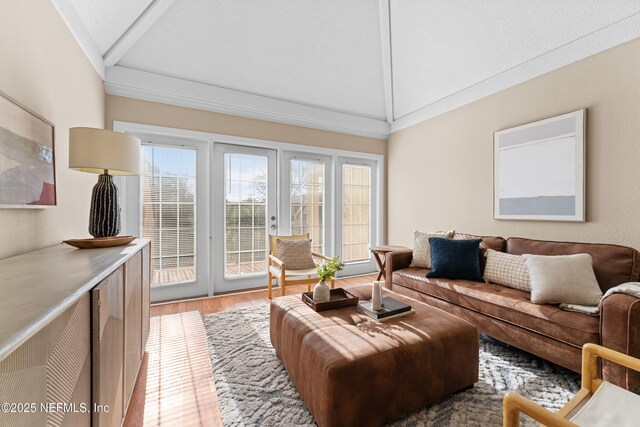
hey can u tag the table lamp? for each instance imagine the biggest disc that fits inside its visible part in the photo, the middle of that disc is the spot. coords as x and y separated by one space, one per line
106 153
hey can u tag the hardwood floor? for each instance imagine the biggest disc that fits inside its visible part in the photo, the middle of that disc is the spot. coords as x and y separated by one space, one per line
175 386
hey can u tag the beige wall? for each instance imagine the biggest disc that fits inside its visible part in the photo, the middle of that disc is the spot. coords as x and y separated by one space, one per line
441 170
152 113
44 69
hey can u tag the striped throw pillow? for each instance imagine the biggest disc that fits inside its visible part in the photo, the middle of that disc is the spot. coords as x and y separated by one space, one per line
507 270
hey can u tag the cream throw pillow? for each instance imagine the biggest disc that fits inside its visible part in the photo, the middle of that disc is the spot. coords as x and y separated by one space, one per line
507 270
422 249
296 254
561 279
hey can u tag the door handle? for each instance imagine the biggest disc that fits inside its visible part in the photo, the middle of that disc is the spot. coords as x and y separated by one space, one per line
273 226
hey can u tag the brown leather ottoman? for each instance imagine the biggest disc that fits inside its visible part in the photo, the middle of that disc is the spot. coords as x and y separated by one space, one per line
354 371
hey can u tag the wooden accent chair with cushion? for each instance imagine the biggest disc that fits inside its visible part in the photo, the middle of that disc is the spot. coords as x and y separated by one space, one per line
291 262
598 403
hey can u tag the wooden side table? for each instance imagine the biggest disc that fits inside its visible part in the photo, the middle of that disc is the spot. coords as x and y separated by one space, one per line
380 254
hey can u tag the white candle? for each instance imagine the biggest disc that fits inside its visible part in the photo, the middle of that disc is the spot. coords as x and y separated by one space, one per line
376 296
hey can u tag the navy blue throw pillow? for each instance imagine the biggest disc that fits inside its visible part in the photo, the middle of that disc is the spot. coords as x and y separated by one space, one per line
455 259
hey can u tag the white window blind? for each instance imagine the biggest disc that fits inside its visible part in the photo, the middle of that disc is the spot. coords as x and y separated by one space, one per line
169 212
245 191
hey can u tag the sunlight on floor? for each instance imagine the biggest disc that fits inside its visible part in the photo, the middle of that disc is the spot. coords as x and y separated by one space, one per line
180 387
176 384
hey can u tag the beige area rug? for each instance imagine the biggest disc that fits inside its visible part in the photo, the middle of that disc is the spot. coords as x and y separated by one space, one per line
253 388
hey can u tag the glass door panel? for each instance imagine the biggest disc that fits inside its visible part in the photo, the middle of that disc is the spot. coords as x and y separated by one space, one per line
172 210
244 215
356 214
307 200
168 213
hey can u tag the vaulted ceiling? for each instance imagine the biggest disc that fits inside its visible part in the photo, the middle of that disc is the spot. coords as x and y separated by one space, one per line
366 67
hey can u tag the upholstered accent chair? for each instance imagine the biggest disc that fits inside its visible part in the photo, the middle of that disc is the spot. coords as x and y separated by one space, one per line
284 276
598 403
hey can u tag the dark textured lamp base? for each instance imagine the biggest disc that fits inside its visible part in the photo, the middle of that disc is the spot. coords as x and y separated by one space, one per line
104 217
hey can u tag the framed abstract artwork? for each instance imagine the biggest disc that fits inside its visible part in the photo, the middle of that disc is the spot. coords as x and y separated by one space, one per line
539 170
27 168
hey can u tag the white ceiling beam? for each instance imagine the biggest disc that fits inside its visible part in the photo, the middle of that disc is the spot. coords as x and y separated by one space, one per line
387 69
74 23
140 26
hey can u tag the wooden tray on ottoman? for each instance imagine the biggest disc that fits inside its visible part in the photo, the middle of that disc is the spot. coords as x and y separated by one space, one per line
338 298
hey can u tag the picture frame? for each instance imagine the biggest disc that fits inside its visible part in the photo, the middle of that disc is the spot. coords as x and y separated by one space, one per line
539 170
27 158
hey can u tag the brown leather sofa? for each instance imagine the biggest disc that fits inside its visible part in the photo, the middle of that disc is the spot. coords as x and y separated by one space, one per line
545 330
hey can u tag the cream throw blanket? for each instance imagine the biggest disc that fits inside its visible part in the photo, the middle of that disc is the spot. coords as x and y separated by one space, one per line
592 310
629 288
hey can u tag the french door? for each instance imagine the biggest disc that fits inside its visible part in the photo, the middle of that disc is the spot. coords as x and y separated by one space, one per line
244 214
357 216
209 208
334 199
173 213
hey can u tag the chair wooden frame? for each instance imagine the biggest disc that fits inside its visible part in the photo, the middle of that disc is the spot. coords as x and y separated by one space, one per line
514 403
280 268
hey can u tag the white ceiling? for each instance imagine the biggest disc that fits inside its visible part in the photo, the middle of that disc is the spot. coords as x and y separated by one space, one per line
306 51
107 20
366 67
441 47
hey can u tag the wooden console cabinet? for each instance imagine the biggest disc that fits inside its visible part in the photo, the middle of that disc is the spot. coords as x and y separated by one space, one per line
73 328
107 331
133 346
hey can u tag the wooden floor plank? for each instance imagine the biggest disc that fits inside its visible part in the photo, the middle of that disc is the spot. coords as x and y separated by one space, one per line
175 386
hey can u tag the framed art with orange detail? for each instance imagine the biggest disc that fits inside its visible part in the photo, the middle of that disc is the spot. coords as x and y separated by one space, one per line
27 168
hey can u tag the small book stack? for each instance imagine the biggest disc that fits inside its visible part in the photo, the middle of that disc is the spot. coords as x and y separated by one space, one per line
391 309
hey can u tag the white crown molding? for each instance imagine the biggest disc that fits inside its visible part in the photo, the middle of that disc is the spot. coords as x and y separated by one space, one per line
80 33
132 83
606 38
145 21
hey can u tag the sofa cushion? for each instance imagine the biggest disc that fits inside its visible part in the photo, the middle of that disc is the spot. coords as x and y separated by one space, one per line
455 259
509 305
557 279
422 249
488 242
507 270
612 264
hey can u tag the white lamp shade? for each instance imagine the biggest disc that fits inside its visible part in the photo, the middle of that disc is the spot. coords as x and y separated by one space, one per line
94 150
